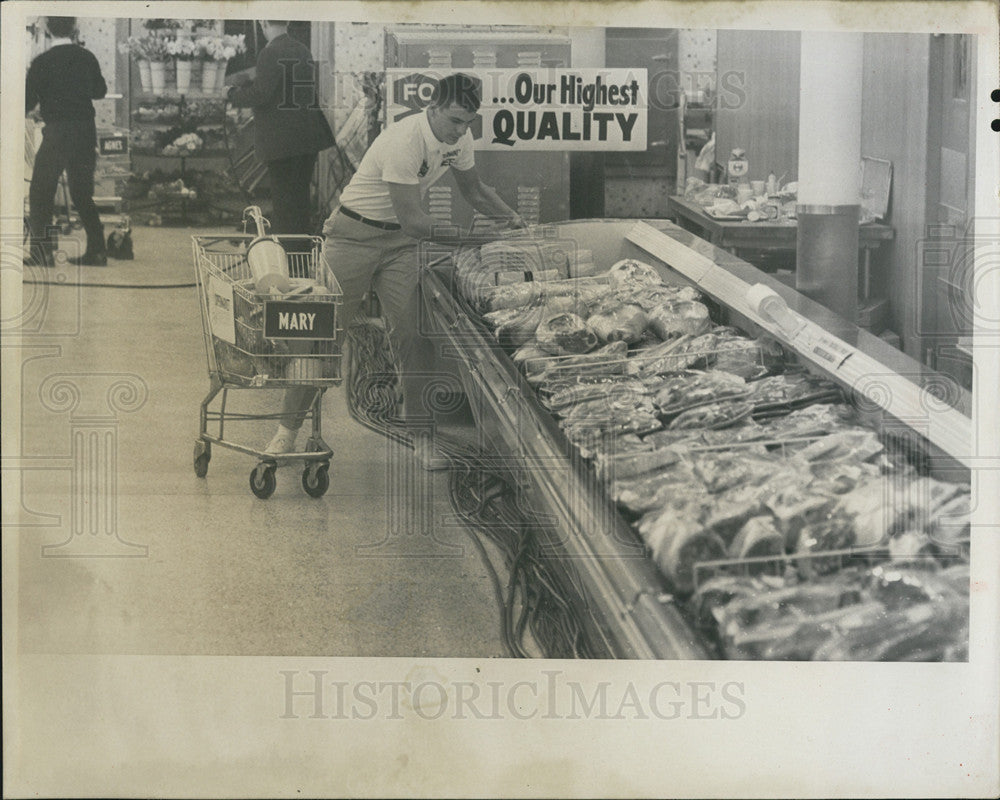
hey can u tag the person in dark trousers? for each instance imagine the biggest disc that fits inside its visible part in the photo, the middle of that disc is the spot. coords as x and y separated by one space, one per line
290 129
63 82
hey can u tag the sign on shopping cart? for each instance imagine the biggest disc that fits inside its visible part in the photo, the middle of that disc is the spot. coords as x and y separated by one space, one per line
299 320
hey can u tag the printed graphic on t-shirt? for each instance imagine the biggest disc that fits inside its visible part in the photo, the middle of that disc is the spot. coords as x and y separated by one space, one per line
448 159
424 167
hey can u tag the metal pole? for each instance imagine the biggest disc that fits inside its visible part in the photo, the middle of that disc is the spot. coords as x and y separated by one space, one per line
829 170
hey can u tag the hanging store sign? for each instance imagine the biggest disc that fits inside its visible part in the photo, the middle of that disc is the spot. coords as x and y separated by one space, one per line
539 109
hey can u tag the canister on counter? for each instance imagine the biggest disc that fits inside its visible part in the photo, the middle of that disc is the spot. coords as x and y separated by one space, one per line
738 167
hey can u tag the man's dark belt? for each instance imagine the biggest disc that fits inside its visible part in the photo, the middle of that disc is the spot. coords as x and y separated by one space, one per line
386 226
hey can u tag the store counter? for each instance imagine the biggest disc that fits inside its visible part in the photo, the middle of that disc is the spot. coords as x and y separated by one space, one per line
767 236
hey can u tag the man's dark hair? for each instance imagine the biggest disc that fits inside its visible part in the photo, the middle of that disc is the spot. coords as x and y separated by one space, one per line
459 90
62 27
281 23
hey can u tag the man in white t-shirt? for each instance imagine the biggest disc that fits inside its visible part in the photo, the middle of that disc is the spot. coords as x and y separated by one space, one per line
373 237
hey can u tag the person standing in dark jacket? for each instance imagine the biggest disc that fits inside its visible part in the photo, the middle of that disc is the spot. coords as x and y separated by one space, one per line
290 129
63 81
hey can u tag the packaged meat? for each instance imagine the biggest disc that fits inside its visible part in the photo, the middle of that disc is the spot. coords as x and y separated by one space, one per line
742 432
618 322
680 317
565 334
800 639
811 421
686 438
529 353
697 388
911 546
717 592
617 466
630 271
719 470
751 624
856 444
611 407
818 536
922 632
712 415
758 538
496 298
747 358
579 392
794 507
949 525
678 543
631 423
605 361
651 491
732 509
895 585
519 329
650 296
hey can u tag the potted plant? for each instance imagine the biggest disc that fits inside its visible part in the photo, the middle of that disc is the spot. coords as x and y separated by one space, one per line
217 52
183 50
232 45
155 45
136 48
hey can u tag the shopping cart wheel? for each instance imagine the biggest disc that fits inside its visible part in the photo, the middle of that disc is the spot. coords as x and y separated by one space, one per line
262 480
202 455
316 478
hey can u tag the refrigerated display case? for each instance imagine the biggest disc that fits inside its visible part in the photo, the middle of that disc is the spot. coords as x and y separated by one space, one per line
845 596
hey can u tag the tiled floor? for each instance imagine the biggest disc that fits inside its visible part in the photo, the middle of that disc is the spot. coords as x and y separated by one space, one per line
111 382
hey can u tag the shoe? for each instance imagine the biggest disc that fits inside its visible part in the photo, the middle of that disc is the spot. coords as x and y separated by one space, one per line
90 260
283 442
428 455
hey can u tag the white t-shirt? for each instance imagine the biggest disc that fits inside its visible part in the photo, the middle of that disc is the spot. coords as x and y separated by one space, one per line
405 152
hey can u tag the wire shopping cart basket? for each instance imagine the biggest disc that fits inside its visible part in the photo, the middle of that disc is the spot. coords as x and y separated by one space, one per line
267 331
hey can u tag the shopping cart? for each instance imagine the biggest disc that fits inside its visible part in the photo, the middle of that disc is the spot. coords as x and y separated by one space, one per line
269 340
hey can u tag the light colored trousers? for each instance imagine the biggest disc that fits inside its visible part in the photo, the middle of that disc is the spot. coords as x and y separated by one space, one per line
362 256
